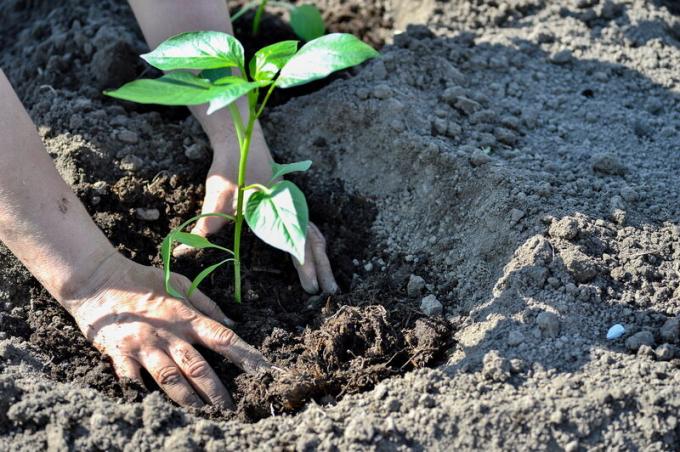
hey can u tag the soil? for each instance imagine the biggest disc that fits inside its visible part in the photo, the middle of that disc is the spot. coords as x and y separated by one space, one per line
520 157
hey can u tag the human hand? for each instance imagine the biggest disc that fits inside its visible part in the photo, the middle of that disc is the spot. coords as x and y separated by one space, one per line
128 316
220 196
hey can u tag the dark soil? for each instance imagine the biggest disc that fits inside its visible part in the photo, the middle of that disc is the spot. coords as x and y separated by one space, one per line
329 346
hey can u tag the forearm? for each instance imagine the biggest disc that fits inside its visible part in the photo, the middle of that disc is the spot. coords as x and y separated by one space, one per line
160 19
41 221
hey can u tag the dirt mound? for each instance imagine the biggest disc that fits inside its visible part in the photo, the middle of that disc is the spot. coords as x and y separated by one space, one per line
516 161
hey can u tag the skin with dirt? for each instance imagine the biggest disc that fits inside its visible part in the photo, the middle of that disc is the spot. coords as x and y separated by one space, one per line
515 160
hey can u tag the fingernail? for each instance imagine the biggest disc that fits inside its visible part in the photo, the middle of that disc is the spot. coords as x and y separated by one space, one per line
228 322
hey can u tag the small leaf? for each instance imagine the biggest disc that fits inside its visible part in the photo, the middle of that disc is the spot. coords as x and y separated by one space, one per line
177 88
268 61
306 22
192 240
280 170
166 255
229 93
280 218
197 50
204 274
322 56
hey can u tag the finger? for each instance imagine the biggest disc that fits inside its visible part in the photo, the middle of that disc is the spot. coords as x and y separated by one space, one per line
127 368
208 307
224 341
307 271
218 198
200 375
324 273
169 377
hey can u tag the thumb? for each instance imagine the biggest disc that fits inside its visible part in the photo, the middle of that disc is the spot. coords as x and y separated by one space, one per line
204 227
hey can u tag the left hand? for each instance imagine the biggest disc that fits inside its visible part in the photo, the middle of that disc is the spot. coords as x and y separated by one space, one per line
221 196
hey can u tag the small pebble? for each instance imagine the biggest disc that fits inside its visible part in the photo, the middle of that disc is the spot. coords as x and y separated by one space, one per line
131 163
515 338
128 136
615 332
431 306
562 57
415 286
609 164
664 352
548 323
639 339
194 152
670 331
147 214
479 158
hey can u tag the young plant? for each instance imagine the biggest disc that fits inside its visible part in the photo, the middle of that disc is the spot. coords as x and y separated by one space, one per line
305 20
276 212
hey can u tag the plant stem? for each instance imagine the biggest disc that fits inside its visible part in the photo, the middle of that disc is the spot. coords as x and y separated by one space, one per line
258 17
242 168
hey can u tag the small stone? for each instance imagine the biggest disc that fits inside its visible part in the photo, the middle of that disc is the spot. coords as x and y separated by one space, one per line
440 126
548 323
645 350
479 158
127 136
515 337
579 264
450 95
495 367
131 163
194 152
571 446
431 306
393 404
639 339
505 136
382 92
467 106
368 266
615 332
516 215
567 228
670 331
664 352
415 286
100 187
562 57
147 214
609 164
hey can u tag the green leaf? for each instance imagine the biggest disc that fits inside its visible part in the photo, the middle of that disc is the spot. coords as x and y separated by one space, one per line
204 274
306 22
166 255
280 170
192 240
183 88
280 218
215 74
229 93
322 56
197 50
268 61
177 88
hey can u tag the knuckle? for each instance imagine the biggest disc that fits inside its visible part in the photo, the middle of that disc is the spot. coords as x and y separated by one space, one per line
185 312
168 376
224 337
198 368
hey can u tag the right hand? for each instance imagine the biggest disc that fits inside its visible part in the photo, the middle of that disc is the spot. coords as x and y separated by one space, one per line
130 318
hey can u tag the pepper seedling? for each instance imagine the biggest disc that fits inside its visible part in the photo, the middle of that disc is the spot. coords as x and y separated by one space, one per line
305 20
277 212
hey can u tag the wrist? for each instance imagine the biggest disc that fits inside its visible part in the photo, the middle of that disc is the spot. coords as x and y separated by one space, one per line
90 278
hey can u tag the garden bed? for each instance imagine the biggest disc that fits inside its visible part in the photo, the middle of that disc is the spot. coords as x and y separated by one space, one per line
520 157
